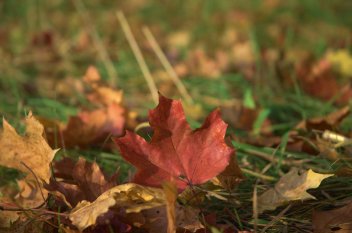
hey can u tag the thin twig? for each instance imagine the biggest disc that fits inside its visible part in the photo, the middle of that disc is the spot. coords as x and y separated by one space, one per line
8 207
277 218
138 54
36 179
258 175
255 206
274 159
167 66
103 54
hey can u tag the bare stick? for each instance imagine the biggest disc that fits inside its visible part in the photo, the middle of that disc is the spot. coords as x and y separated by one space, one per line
167 66
103 54
258 175
277 218
255 207
138 54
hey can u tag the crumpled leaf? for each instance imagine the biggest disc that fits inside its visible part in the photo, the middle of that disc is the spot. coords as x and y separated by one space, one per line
100 94
133 198
318 80
156 221
290 187
30 149
176 153
328 122
244 118
339 219
88 127
31 194
82 181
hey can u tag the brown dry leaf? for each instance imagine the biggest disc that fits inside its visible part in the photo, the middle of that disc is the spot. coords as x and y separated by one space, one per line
241 117
100 94
131 197
7 193
82 181
327 149
92 76
290 187
243 58
186 219
199 63
333 221
91 126
329 122
88 127
319 81
105 96
231 176
30 194
30 149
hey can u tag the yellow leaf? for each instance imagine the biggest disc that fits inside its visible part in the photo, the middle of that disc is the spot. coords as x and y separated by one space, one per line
290 187
30 149
342 60
132 197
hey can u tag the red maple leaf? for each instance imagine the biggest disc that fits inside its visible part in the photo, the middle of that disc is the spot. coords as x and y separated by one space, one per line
176 152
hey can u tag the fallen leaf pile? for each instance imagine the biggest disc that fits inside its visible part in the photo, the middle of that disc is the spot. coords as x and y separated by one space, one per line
170 187
91 126
88 200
